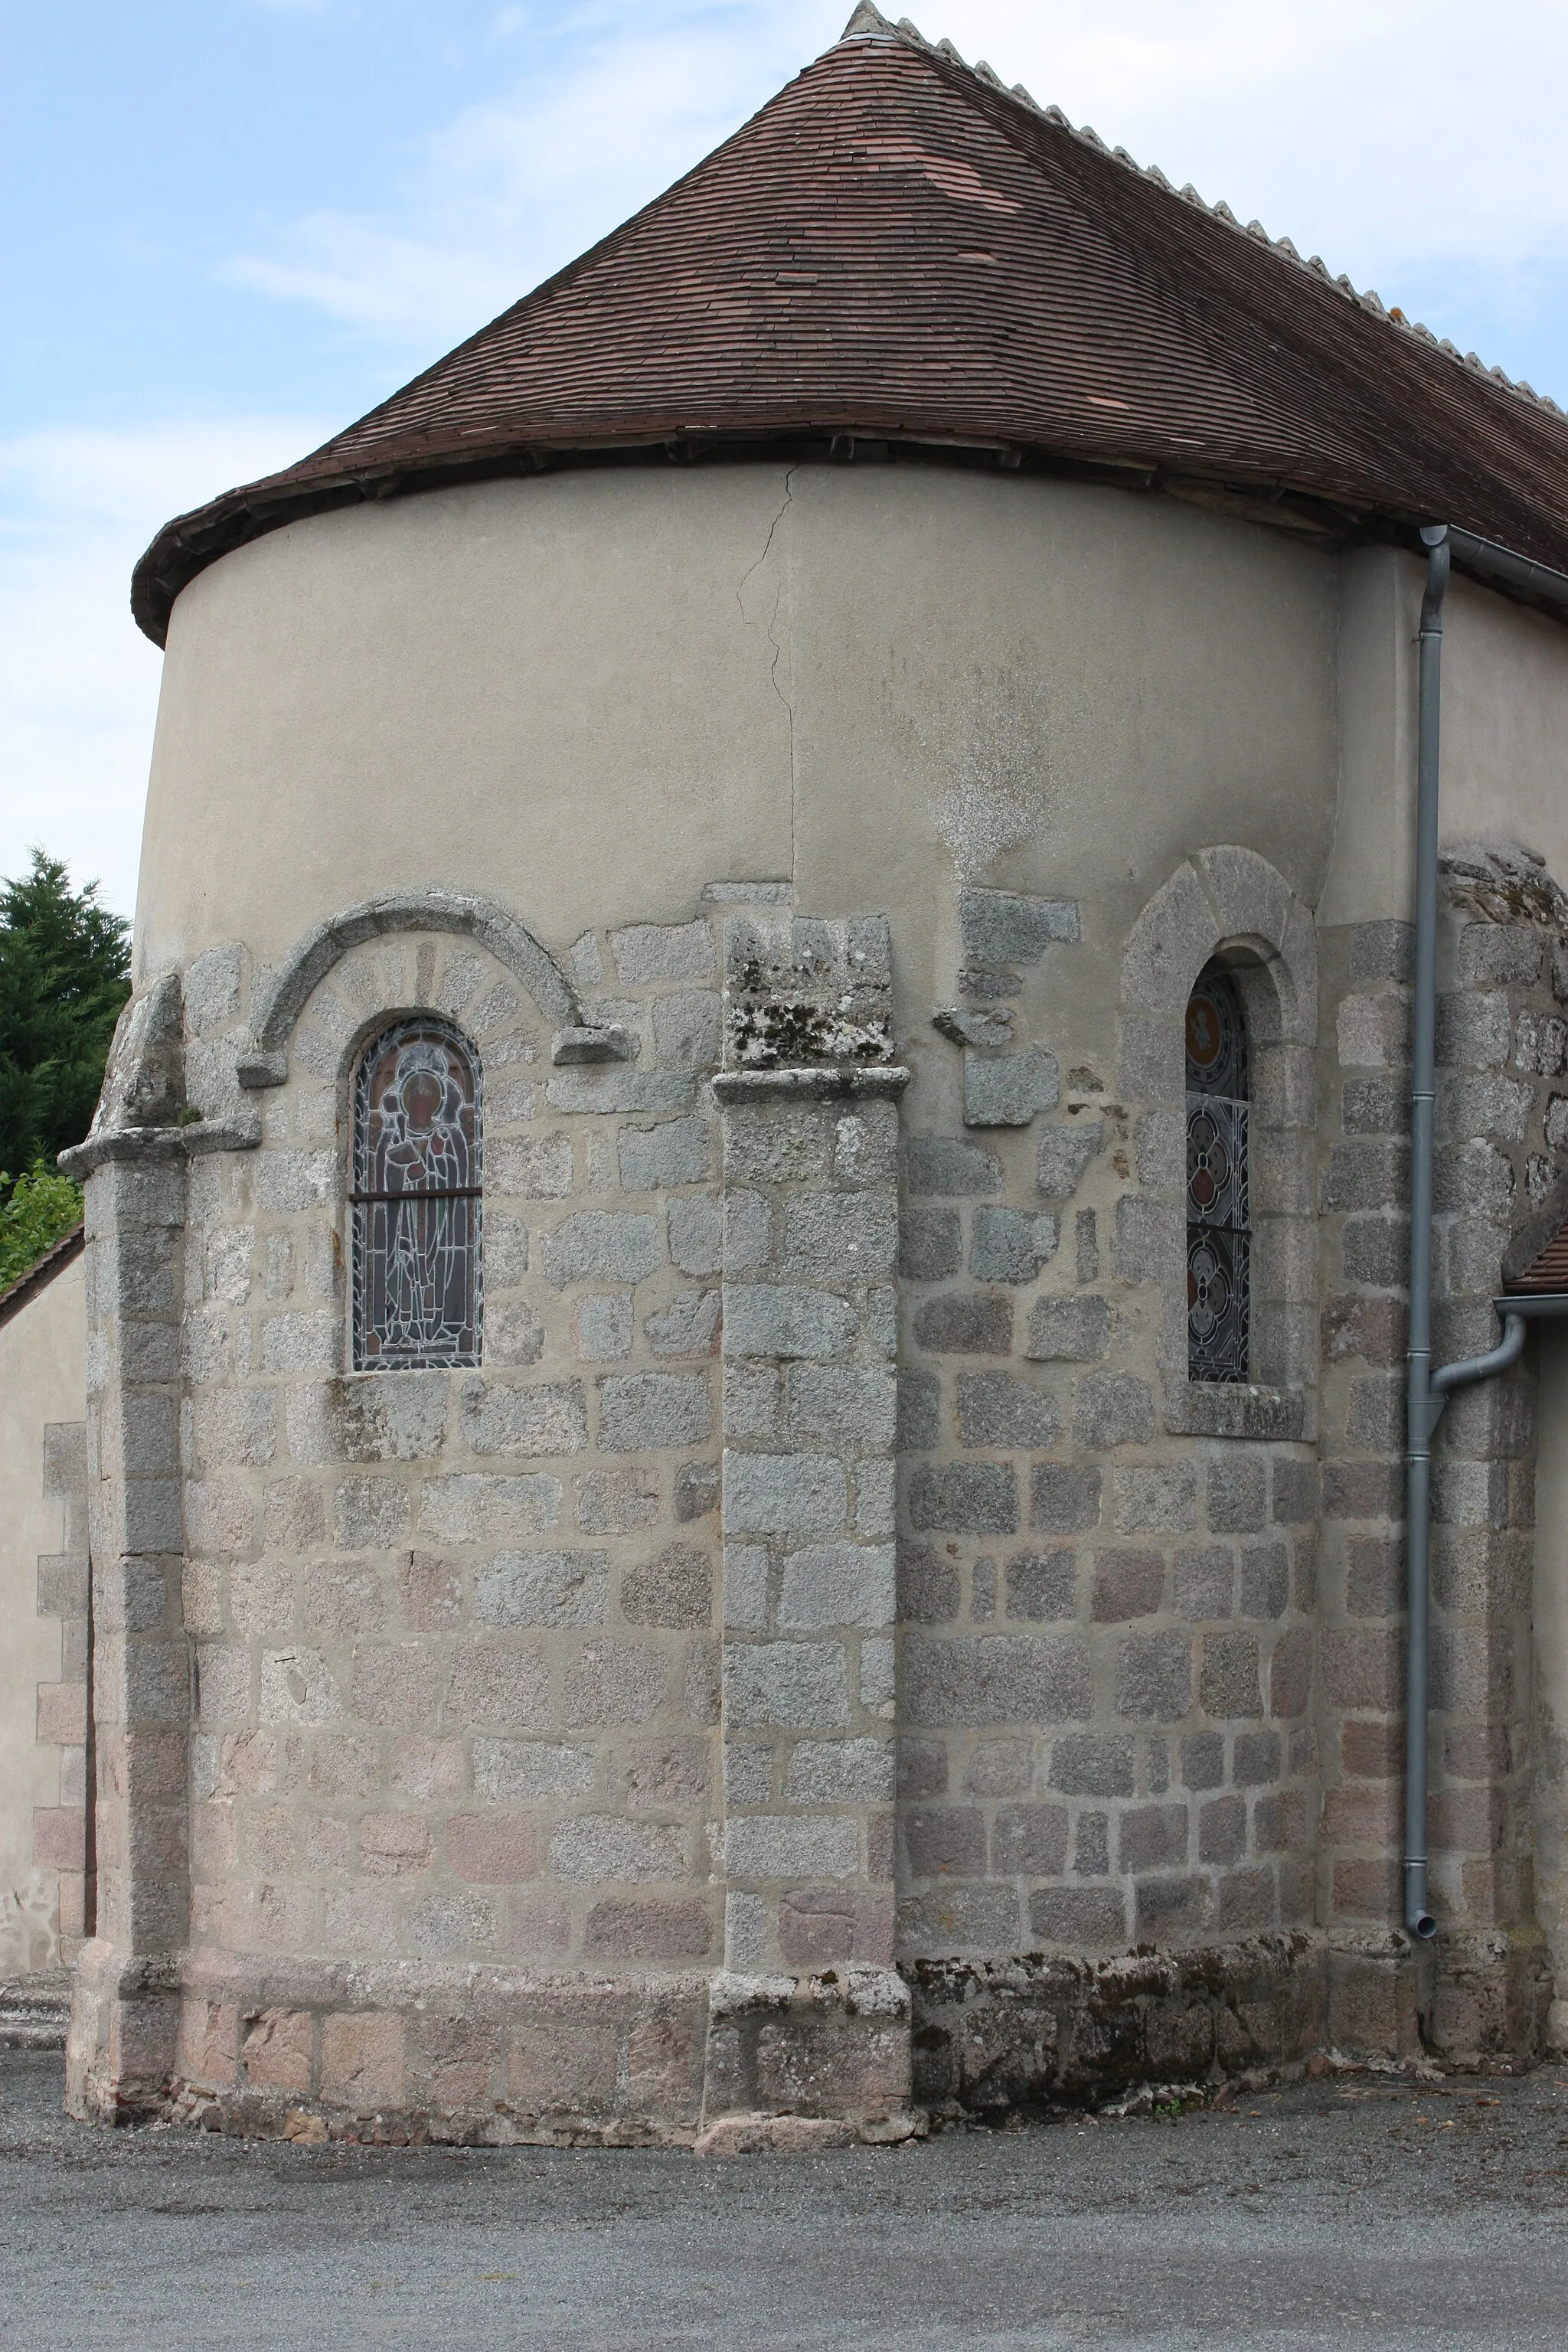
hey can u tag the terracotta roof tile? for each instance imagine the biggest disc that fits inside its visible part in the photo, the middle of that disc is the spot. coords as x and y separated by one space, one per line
896 247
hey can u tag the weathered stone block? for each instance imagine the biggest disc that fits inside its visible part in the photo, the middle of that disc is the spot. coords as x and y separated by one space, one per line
928 1585
1112 1409
1064 1153
1474 1031
1079 1919
1238 1496
623 1929
1228 1683
1160 1499
786 1319
502 1418
784 1494
965 1497
1149 1241
930 1244
1377 1105
675 1587
1009 1089
1064 1499
1384 951
840 1772
1373 1031
1011 1245
370 1513
499 1690
645 951
643 1412
855 1411
944 1840
1004 927
689 1326
965 1323
544 1588
604 1326
615 1682
1042 1584
997 1678
507 1771
474 1508
1154 1678
1508 954
837 1584
1073 1331
600 1245
1127 1584
840 1236
657 1159
393 1845
1000 1408
1030 1840
687 1028
763 1845
798 1685
361 2062
945 1165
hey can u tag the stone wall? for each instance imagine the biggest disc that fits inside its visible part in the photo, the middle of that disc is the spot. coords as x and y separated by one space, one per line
1502 1145
46 1862
830 1629
1107 1575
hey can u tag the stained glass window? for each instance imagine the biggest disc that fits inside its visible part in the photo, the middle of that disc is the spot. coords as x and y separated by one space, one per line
417 1200
1218 1224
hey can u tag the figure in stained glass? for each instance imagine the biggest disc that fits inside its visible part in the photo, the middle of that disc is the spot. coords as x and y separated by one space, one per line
1218 1224
417 1201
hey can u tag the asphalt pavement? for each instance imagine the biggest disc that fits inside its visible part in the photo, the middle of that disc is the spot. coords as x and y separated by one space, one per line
1350 2212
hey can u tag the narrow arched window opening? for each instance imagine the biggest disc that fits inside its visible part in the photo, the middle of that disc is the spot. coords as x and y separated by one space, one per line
415 1200
1219 1244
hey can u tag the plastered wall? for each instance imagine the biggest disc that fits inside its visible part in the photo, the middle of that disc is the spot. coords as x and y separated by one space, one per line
43 1571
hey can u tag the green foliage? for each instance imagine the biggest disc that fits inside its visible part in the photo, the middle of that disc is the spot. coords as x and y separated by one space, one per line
65 974
41 1208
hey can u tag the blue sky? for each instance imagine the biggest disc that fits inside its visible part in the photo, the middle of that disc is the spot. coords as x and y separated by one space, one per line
231 226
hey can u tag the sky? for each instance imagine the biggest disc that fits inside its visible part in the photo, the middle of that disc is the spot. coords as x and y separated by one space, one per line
230 226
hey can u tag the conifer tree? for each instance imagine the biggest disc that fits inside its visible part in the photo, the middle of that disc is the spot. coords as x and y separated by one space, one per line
65 973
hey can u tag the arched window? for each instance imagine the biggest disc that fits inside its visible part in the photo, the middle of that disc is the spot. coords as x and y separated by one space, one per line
417 1200
1218 1224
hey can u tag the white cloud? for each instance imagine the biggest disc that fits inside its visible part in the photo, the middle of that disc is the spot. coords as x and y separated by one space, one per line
512 189
78 682
1388 142
1389 148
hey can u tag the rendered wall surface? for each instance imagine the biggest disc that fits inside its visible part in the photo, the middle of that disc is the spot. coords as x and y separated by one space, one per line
43 1664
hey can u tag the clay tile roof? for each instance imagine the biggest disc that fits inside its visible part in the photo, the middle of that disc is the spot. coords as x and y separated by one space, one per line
1549 1270
898 247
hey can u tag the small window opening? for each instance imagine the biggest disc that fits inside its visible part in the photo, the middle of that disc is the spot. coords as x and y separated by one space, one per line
1218 1222
415 1201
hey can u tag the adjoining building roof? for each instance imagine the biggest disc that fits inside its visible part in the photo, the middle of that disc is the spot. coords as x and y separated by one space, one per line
41 1273
897 248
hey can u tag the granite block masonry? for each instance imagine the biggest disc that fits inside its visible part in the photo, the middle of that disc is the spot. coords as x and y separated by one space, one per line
812 2014
826 1660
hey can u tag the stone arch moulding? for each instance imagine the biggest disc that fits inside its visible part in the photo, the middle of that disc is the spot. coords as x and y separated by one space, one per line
281 995
1229 901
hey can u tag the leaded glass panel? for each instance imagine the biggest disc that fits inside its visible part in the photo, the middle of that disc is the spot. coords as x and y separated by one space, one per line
417 1201
1218 1222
